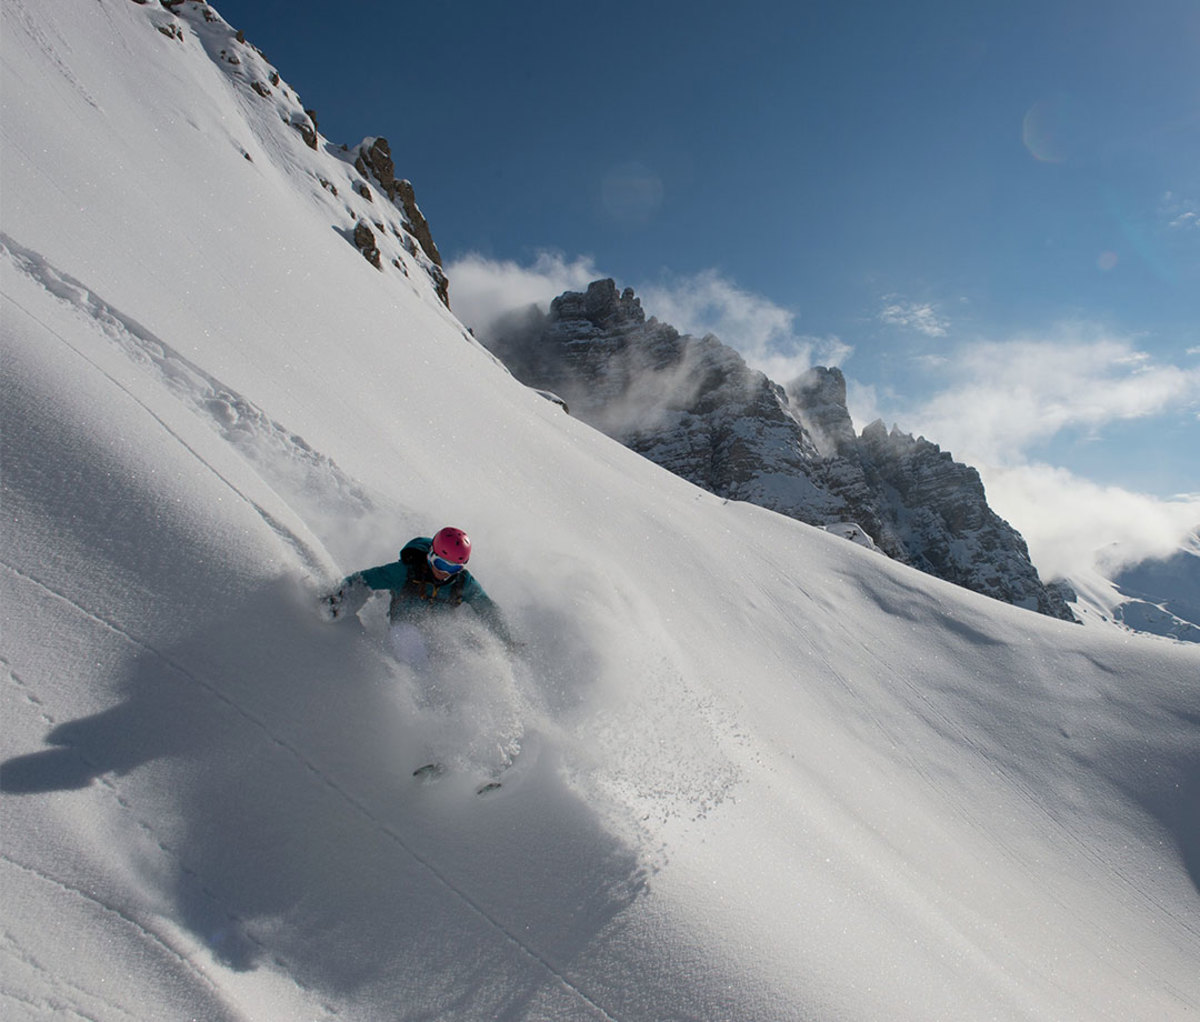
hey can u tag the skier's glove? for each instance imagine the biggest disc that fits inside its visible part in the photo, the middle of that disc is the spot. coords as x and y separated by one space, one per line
331 606
345 601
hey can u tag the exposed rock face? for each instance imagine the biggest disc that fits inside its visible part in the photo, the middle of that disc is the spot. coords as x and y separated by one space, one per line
818 398
695 407
374 160
934 513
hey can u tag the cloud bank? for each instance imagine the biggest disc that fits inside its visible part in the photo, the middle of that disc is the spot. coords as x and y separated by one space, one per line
1002 399
1074 525
763 332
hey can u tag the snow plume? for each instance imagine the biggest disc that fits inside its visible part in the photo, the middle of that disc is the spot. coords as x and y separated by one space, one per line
1001 399
486 290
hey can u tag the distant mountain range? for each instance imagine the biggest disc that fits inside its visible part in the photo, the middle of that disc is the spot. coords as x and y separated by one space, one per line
1158 595
693 406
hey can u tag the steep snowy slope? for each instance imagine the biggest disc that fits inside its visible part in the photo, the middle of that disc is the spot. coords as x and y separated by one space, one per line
766 774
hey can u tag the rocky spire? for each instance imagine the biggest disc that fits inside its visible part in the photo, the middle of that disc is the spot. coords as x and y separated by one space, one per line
600 305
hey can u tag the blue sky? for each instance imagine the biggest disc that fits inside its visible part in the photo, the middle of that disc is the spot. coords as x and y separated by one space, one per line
988 215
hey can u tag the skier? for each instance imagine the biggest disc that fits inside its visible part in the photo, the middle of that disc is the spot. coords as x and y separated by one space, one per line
430 576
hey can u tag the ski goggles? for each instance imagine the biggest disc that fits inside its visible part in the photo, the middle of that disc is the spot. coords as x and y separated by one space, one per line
444 566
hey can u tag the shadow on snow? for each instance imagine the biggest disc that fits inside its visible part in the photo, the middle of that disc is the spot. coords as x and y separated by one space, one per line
287 748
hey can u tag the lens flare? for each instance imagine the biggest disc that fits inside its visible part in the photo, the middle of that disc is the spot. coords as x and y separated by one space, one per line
1050 129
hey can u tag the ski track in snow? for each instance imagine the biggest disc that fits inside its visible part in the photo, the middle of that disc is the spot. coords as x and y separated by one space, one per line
255 436
31 29
142 930
322 777
26 692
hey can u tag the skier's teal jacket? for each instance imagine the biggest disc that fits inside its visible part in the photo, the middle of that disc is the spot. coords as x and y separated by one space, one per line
415 591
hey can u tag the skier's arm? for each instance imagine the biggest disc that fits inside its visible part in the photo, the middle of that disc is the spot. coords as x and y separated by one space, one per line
346 600
349 597
386 576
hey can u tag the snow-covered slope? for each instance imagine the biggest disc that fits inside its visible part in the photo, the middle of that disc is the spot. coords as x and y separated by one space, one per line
767 774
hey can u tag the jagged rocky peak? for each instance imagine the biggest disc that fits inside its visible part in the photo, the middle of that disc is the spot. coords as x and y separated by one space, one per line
374 160
819 398
937 507
601 305
694 407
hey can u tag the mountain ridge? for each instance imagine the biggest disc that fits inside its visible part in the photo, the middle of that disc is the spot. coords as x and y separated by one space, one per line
693 406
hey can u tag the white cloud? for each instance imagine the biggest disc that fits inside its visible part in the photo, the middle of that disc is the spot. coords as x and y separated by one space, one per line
1073 525
762 331
863 402
1181 214
484 289
919 316
1003 398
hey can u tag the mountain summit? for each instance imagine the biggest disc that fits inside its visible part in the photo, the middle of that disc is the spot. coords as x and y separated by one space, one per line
693 406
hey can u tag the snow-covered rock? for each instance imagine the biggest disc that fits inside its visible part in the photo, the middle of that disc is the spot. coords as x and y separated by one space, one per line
853 532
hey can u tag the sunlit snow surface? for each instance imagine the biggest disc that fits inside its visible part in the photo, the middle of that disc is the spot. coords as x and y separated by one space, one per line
762 773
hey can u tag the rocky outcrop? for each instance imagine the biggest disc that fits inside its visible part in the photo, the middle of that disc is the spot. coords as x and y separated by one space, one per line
933 513
693 406
364 241
373 160
818 399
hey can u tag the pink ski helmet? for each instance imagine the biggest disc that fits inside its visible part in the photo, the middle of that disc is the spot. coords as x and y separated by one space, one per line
451 544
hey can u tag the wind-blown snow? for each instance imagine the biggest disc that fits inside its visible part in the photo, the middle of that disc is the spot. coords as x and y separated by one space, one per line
766 773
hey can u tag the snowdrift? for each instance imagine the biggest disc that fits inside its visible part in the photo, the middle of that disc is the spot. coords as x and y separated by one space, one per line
766 773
